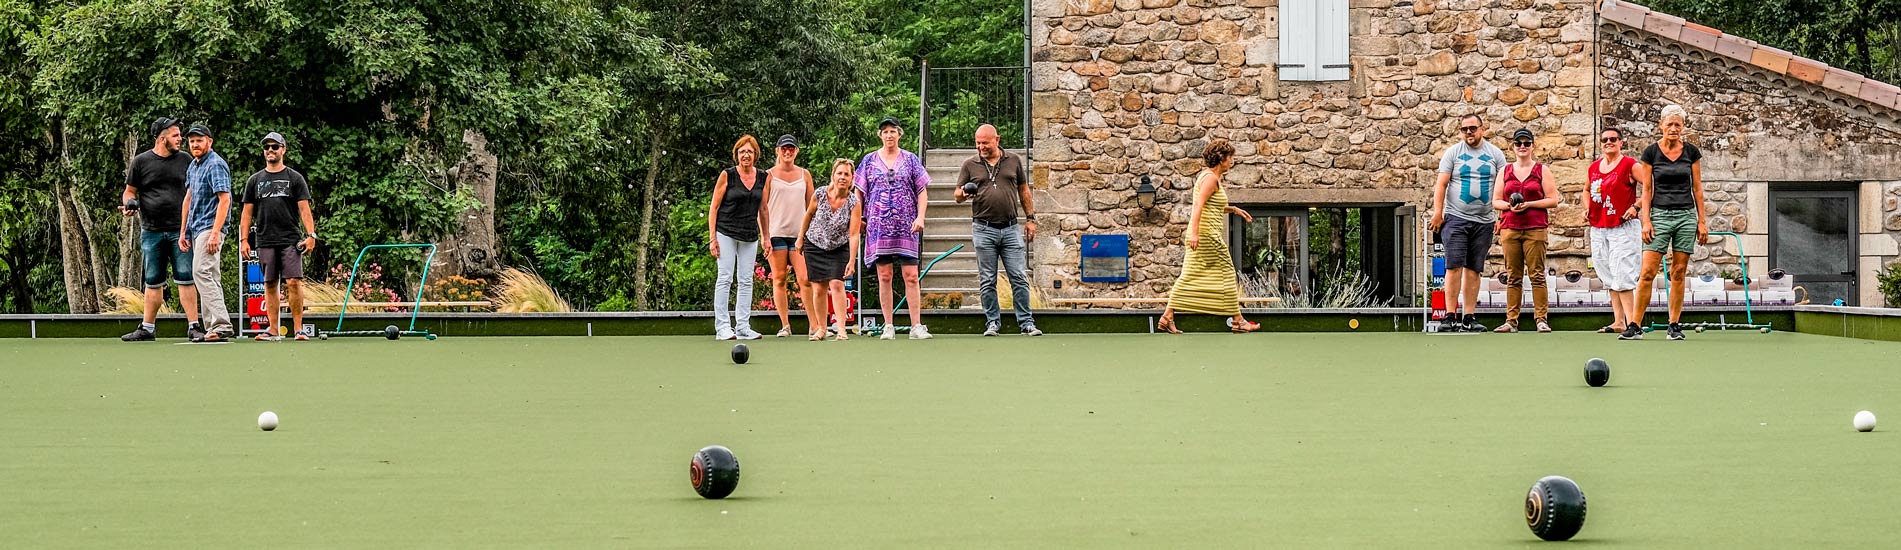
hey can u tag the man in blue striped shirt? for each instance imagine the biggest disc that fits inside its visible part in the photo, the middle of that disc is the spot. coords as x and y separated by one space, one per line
207 206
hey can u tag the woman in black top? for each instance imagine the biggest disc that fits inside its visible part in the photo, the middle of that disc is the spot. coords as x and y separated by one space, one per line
735 220
1672 215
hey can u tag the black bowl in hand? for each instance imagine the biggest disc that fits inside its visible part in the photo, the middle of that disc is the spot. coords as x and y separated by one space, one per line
970 188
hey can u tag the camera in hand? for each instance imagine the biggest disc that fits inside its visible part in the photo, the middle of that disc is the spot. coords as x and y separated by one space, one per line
970 187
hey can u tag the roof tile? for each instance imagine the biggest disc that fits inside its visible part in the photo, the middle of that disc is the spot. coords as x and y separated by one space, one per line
1775 60
1664 25
1807 70
1624 13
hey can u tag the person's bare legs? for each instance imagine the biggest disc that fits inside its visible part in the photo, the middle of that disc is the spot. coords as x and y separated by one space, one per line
1620 308
913 296
797 261
154 299
1679 268
1470 297
815 316
1455 285
776 259
270 307
188 299
1646 282
884 295
296 289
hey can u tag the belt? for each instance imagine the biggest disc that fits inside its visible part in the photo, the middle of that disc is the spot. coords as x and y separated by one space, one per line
995 225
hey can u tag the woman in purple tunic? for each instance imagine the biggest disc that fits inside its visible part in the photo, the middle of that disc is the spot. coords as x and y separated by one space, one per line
892 182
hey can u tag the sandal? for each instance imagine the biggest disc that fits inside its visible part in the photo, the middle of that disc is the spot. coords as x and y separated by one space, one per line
301 337
1167 324
814 337
1250 326
785 331
1544 327
1610 329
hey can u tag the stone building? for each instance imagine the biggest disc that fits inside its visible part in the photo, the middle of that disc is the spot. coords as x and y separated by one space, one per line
1346 105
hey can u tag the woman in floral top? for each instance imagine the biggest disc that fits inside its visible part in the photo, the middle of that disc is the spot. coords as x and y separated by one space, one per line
892 182
829 239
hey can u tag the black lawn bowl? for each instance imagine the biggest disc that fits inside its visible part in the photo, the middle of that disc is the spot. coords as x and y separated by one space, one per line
1517 199
391 332
1554 509
715 472
1597 373
741 354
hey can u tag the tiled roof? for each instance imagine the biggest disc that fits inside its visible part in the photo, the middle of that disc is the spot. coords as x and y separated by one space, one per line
1675 29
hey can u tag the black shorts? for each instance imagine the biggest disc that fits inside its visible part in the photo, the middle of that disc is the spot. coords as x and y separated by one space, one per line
281 262
895 259
1467 243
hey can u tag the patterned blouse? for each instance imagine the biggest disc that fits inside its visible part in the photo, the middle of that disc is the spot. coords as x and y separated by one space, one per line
891 194
831 228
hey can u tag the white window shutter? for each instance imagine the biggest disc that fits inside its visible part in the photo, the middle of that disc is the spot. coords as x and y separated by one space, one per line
1331 47
1299 27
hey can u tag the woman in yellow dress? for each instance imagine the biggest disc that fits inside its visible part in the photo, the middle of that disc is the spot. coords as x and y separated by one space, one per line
1208 283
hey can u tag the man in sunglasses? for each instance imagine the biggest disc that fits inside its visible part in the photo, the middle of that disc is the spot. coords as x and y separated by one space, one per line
277 197
1467 233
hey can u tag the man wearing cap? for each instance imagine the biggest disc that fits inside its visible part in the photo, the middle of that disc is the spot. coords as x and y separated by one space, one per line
155 192
277 197
995 182
201 233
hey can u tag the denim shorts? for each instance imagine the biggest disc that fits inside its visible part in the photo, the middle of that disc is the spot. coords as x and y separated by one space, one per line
784 243
160 248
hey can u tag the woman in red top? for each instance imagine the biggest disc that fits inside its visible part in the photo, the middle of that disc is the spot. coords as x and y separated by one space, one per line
1523 201
1616 234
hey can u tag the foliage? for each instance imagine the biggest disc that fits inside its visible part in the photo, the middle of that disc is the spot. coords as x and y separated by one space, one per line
1863 36
130 301
522 291
1888 280
581 101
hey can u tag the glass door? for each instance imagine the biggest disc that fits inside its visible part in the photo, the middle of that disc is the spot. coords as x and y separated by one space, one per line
1270 253
1813 235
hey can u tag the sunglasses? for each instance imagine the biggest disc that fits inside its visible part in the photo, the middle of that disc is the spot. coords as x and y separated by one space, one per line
1522 143
1468 129
273 147
1611 140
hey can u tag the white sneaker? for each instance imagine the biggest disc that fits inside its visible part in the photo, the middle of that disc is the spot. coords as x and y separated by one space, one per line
889 333
723 334
918 332
746 333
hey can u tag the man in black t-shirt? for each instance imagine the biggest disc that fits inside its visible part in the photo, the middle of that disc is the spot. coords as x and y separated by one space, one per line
996 181
155 192
278 197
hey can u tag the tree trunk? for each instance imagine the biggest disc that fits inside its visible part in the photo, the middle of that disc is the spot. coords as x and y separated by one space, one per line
1337 239
643 288
131 269
470 251
17 284
77 253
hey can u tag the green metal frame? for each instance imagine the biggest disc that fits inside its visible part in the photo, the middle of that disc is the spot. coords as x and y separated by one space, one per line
413 310
920 275
1748 310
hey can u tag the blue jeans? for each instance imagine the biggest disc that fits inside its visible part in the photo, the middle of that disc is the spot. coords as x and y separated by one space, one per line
1006 244
160 248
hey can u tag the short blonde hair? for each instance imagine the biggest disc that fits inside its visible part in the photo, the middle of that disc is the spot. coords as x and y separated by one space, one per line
744 141
849 167
1674 111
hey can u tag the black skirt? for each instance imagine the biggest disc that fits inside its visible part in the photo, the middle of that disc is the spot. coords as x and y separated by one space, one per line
822 265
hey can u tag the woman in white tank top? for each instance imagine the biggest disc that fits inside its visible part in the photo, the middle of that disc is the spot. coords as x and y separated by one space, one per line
786 196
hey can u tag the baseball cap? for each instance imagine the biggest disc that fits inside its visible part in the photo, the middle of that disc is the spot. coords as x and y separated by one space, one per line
789 141
274 137
199 130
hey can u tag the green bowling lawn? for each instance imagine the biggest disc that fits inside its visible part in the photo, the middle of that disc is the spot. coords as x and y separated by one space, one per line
1728 440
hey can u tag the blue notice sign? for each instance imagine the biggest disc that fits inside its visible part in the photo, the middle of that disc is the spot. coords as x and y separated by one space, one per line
1105 258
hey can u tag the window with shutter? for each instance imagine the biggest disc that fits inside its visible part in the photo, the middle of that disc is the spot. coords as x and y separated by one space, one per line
1313 44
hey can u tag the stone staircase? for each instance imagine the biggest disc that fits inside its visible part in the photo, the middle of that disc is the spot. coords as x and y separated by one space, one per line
946 225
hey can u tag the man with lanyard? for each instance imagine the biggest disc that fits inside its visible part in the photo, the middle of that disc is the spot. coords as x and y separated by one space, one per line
995 181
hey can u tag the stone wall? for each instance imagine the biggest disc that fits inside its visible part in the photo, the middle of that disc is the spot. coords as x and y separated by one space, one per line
1757 128
1124 88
